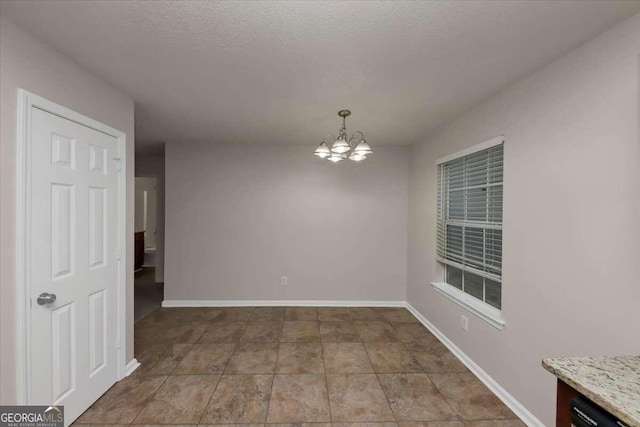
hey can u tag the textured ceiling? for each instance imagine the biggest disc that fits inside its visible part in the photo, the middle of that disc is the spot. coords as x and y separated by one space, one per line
277 72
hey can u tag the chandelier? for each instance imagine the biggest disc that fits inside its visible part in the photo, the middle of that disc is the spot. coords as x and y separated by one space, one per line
354 148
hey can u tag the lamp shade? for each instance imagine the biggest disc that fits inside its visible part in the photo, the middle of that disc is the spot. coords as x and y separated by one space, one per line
322 151
340 147
363 148
335 158
357 157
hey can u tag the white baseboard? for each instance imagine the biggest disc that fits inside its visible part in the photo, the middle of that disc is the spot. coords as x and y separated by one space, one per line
523 413
131 367
269 303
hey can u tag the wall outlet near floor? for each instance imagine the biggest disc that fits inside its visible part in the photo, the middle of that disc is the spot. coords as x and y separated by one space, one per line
285 281
464 322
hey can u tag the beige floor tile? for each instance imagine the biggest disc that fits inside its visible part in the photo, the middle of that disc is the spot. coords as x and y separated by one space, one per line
301 313
387 309
469 398
368 314
160 315
300 358
391 358
181 400
431 424
427 347
145 337
160 359
357 397
205 359
76 423
495 423
413 332
262 332
179 333
198 314
399 315
300 425
268 314
414 398
369 424
223 332
299 398
253 358
156 425
438 359
239 399
234 425
334 314
346 358
339 332
181 342
376 332
168 333
179 314
122 402
300 331
235 314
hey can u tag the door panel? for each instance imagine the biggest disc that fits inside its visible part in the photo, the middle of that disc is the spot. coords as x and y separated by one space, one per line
72 254
97 159
62 228
63 151
63 342
97 331
97 226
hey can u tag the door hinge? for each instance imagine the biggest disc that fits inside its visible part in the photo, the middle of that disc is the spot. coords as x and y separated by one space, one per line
118 163
118 254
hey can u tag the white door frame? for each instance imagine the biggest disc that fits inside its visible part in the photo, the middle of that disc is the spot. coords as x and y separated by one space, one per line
27 101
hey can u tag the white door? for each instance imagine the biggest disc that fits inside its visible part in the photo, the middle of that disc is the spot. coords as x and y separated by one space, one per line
72 250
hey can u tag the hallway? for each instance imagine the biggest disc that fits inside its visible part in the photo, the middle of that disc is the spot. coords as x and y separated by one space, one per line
148 294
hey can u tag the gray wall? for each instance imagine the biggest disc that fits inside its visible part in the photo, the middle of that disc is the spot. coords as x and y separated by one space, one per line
571 208
27 63
239 218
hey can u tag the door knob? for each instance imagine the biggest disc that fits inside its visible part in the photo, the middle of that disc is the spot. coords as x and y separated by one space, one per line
45 298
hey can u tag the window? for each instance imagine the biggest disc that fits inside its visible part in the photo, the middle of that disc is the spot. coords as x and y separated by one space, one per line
469 226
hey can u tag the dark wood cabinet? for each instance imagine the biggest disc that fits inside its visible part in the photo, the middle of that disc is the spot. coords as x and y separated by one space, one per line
563 397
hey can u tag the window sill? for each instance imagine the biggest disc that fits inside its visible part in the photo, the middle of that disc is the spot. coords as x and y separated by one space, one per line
483 310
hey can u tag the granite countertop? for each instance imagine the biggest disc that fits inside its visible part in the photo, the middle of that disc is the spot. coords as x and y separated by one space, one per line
611 382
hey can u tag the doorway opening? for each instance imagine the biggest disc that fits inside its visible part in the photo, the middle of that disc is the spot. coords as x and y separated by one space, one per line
146 220
149 235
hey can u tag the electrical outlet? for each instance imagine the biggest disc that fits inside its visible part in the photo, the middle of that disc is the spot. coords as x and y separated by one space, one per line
285 281
464 322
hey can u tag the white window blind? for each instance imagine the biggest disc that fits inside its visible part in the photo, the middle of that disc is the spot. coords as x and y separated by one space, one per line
469 229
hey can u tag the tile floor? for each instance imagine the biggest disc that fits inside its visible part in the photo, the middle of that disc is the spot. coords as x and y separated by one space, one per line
295 365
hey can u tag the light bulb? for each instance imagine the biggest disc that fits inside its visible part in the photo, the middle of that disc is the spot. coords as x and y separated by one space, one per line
340 147
363 148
